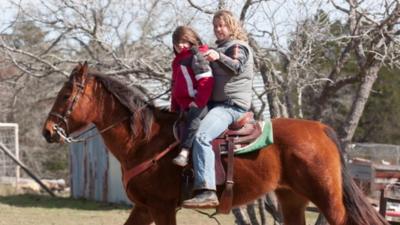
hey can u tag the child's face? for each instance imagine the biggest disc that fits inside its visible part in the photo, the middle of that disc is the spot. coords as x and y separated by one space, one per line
182 44
221 30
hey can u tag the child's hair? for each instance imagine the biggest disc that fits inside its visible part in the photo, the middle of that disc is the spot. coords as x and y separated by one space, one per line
186 33
232 23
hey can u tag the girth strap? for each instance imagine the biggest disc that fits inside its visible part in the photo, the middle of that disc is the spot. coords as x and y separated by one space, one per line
131 173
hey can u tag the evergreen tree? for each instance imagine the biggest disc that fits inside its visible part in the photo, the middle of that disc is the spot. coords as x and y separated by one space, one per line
380 122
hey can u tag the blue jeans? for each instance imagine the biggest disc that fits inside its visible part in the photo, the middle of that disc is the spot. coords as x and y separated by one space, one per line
215 122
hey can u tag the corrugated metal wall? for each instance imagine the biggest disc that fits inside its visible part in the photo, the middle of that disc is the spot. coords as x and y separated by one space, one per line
95 173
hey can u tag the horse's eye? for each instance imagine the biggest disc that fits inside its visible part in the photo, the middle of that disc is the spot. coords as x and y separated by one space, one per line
65 97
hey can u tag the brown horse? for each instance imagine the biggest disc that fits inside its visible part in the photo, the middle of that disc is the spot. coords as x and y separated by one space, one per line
304 164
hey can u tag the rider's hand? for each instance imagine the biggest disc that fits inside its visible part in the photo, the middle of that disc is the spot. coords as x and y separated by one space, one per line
194 49
193 104
211 55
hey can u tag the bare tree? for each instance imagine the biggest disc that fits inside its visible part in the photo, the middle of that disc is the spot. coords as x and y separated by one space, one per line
99 32
317 59
303 82
381 40
41 45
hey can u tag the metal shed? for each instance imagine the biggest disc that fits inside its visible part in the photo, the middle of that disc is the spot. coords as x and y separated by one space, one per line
95 172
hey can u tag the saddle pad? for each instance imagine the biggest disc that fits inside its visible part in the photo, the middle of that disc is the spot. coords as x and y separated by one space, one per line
266 138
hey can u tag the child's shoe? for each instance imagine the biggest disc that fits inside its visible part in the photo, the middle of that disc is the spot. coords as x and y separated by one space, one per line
182 159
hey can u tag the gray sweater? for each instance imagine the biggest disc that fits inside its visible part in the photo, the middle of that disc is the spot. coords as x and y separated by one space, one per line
233 73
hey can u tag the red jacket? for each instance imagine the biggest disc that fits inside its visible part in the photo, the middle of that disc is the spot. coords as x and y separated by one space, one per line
192 80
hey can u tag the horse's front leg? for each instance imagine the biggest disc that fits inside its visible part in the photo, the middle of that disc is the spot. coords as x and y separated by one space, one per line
164 214
139 216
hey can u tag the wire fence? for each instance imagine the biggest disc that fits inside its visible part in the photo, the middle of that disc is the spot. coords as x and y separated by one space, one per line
9 137
377 153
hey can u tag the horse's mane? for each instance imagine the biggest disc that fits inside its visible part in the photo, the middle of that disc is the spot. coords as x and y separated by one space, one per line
131 96
135 100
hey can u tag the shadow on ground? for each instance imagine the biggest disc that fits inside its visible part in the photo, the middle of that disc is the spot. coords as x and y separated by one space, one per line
30 200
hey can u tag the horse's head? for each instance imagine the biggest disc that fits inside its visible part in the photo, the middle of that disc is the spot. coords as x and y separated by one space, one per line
73 107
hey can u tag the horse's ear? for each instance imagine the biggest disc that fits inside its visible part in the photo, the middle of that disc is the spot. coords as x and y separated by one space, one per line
84 69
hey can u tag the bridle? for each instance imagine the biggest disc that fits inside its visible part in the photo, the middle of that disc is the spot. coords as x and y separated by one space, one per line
64 118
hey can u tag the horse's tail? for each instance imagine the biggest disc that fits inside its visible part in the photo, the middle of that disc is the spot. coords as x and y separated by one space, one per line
358 209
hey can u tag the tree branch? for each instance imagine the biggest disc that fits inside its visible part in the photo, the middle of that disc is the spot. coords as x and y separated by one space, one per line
18 51
199 8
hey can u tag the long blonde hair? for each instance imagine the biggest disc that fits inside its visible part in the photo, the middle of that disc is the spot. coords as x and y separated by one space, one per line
234 26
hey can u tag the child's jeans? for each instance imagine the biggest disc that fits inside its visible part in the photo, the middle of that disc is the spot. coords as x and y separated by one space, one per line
194 116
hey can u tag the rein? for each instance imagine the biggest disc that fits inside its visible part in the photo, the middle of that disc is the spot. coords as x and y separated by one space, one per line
133 172
64 118
61 132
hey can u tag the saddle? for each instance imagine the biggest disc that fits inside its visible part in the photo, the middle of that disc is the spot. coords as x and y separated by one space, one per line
238 135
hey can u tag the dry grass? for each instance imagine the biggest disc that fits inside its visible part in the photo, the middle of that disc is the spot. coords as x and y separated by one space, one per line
29 209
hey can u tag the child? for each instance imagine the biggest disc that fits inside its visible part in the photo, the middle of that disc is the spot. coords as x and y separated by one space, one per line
192 83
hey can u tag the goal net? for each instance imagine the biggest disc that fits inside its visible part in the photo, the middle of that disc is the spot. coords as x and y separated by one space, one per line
9 171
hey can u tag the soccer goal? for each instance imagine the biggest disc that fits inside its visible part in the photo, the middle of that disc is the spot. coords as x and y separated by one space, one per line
9 138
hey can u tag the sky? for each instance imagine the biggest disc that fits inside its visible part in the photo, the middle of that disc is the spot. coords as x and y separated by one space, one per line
7 14
284 13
